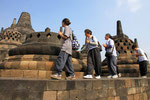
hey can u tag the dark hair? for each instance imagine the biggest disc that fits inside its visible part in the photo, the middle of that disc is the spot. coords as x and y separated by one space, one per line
88 31
66 21
134 46
109 35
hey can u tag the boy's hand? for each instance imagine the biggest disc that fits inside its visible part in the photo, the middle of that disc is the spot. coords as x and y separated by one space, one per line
60 33
87 41
104 45
136 54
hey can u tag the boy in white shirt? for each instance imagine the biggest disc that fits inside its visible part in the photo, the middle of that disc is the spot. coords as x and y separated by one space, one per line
142 59
112 57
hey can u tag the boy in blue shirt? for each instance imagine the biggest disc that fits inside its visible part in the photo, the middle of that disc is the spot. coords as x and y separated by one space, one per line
93 58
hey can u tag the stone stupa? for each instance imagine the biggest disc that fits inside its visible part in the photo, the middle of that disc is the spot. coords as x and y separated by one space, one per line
127 62
36 56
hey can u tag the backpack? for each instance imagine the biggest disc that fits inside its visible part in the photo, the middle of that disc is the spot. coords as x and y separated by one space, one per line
75 43
99 45
146 55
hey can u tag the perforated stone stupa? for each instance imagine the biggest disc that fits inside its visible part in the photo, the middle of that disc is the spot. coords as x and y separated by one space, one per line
127 62
36 55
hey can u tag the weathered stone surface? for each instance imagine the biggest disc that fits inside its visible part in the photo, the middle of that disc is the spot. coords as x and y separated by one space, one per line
121 92
57 85
42 75
31 73
49 95
63 95
131 91
5 73
77 95
17 73
97 84
111 92
21 89
130 97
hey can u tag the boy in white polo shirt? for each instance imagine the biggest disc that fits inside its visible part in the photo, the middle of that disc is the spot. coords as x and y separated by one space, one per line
142 59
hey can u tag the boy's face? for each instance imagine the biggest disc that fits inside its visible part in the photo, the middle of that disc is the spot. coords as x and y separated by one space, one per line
87 35
63 25
106 37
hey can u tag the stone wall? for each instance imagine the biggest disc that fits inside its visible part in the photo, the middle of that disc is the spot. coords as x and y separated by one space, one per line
103 89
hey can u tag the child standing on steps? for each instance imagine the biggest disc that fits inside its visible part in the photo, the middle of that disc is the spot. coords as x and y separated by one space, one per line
65 56
94 57
142 60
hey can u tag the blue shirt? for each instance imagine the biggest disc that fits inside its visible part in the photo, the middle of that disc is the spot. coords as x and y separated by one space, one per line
93 43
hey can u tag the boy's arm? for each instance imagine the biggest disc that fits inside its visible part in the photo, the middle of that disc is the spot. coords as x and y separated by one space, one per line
110 45
63 36
84 47
66 34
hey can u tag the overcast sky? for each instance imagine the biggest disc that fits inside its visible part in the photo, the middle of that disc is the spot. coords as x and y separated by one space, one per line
98 15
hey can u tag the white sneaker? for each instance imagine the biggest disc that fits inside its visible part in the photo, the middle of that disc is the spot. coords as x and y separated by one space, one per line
88 77
115 76
119 75
56 76
144 76
97 77
109 76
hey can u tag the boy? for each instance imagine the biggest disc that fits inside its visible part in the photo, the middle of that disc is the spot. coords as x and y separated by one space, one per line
93 58
111 56
142 59
65 55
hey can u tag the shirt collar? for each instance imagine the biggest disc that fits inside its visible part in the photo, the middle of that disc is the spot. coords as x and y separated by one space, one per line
109 39
91 36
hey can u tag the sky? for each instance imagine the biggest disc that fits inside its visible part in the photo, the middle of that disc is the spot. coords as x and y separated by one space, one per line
98 15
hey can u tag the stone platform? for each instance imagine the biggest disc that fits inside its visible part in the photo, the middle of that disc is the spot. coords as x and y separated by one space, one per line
103 89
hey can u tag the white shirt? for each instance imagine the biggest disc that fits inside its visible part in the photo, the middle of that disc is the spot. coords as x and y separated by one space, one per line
143 57
111 42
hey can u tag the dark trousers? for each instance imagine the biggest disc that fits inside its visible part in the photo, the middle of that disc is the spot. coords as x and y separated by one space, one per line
117 69
143 67
112 65
64 60
94 62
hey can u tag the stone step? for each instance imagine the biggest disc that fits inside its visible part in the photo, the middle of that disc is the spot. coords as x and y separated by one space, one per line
42 74
35 74
37 65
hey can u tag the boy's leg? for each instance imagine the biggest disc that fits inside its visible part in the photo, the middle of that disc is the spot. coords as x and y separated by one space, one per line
143 68
90 66
113 64
109 66
140 67
117 69
69 66
60 62
97 61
